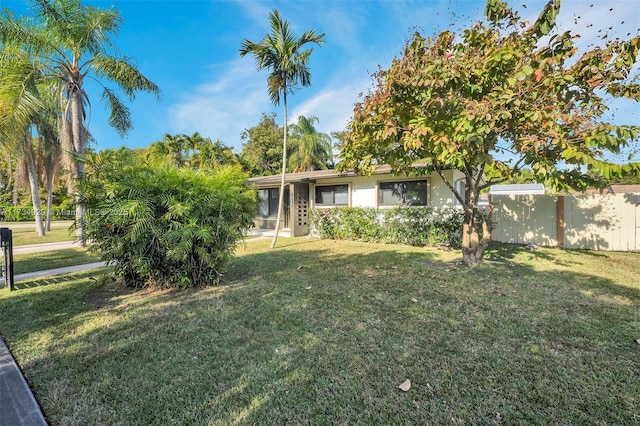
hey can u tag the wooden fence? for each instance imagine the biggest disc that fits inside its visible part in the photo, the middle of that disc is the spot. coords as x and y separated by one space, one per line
594 222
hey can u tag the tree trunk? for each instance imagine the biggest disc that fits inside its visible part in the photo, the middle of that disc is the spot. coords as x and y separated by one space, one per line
49 170
35 188
284 170
14 192
78 133
474 245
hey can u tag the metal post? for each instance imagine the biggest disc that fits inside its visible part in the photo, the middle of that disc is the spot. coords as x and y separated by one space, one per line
6 241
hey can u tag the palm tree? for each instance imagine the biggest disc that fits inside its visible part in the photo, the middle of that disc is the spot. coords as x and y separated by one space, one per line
19 106
73 40
314 150
282 53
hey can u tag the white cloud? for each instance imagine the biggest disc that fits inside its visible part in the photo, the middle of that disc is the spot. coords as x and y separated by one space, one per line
222 107
333 107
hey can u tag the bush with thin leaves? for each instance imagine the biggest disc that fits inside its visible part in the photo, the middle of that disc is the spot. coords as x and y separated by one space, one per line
166 227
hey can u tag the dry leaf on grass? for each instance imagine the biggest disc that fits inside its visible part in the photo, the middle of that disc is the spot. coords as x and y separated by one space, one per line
405 386
414 300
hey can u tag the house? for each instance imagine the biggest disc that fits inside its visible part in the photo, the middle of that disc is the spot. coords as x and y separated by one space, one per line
329 188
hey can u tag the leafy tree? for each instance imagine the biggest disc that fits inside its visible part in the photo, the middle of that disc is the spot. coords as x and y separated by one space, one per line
502 85
261 153
74 42
312 150
164 227
282 53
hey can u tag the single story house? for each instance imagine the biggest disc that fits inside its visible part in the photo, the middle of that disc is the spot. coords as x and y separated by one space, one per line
329 188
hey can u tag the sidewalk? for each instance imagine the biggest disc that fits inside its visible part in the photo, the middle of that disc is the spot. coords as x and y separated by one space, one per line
18 406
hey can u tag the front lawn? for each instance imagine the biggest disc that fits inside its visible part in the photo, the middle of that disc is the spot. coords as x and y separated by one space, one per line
31 262
324 332
59 232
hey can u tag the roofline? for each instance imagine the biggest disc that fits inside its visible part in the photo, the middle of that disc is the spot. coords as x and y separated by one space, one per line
312 176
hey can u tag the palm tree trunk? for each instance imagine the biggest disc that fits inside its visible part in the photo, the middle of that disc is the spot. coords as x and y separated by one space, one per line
78 145
35 188
284 170
49 170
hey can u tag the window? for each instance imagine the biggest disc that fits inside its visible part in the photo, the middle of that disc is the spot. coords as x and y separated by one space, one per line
408 193
268 202
332 195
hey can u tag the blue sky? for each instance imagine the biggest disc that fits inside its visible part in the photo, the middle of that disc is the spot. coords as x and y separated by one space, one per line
191 50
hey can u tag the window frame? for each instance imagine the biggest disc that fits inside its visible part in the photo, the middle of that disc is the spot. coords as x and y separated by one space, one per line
427 191
315 199
272 212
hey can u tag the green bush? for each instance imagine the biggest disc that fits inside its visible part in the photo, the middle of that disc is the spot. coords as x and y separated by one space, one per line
166 227
416 226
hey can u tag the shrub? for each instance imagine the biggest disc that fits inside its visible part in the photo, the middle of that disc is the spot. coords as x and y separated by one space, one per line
417 226
166 227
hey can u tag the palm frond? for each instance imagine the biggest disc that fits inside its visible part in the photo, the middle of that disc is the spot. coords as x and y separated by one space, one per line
123 72
120 117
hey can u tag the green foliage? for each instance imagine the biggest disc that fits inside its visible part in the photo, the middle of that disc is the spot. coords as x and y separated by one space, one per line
262 147
310 149
502 85
193 151
417 226
281 52
166 227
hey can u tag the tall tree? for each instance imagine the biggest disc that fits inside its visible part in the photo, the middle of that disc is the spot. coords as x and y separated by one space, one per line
503 85
19 107
312 150
261 153
75 40
283 54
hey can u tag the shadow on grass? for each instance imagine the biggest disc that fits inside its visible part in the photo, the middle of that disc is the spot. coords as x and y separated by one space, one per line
509 252
325 332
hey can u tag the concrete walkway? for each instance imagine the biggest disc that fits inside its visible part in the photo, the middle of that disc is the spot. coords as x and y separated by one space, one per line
18 406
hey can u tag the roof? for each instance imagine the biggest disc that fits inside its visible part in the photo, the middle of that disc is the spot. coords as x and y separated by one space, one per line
313 176
623 189
517 189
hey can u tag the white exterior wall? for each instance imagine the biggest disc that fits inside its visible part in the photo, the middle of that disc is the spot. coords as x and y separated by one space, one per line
363 190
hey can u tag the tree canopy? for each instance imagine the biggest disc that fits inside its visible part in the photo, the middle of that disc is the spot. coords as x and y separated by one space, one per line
261 153
503 93
73 43
311 149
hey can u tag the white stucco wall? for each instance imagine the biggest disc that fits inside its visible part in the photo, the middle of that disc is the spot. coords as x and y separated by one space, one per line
363 191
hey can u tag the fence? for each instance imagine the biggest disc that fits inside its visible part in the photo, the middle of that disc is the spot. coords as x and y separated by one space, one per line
594 222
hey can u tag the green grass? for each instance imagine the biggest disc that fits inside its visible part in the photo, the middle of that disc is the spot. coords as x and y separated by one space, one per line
26 236
23 263
323 332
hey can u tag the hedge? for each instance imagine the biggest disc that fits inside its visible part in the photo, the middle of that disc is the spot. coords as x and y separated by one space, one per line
416 226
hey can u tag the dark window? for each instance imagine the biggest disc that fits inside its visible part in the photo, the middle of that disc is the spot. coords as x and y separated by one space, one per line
268 202
409 193
332 195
